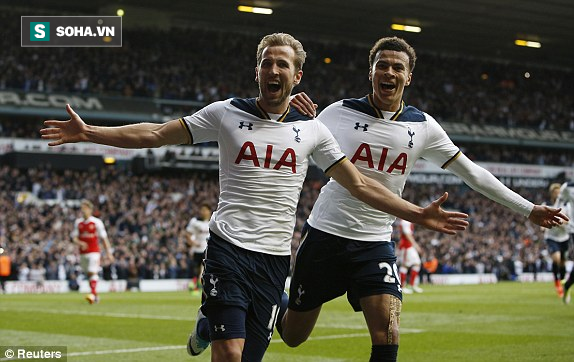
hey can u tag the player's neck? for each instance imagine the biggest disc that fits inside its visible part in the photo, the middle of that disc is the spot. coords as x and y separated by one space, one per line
273 108
392 107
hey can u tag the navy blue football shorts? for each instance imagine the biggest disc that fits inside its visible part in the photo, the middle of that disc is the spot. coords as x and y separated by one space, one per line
555 246
243 293
328 266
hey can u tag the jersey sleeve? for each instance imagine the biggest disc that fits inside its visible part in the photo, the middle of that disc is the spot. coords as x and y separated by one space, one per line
405 227
190 228
481 180
327 152
567 192
440 149
442 152
101 229
204 124
566 197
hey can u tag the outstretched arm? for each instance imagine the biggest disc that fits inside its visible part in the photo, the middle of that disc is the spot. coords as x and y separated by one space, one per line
484 182
141 135
378 196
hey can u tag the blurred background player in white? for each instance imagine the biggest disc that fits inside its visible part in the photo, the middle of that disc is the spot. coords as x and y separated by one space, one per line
557 240
383 137
566 196
87 233
408 258
197 233
264 150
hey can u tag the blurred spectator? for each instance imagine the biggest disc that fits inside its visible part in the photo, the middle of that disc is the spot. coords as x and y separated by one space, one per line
5 268
37 273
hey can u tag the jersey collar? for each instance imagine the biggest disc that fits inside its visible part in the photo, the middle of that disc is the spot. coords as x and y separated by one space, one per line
379 112
265 115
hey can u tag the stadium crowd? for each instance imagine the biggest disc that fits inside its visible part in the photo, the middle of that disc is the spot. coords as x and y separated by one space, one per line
16 128
146 214
145 217
455 89
488 245
187 64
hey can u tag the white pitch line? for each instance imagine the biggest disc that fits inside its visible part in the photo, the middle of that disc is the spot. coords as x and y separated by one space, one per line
187 319
334 336
350 335
361 326
125 350
411 330
104 314
164 348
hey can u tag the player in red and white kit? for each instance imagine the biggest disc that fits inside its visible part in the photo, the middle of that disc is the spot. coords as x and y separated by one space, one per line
88 231
409 258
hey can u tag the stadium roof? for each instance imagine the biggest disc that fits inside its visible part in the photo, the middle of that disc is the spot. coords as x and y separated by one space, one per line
482 28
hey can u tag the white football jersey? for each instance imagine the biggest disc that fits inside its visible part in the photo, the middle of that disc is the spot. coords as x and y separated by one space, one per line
263 161
199 230
567 196
383 146
560 233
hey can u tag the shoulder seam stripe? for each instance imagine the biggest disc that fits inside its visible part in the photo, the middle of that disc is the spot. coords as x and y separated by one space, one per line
186 127
338 162
451 160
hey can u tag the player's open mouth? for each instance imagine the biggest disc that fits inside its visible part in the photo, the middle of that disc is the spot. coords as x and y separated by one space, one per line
273 87
387 86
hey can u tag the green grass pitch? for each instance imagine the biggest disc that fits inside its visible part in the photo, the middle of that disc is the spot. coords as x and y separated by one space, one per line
500 322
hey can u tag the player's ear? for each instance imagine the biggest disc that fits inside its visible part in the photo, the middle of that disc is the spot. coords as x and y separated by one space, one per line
298 77
409 78
370 75
257 74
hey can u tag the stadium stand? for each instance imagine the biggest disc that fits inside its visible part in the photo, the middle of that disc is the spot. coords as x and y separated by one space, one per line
146 212
189 68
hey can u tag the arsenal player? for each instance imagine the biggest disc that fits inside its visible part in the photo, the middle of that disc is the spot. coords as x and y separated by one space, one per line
87 233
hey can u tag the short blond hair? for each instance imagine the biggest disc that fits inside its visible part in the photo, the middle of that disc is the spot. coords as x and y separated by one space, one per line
554 186
279 39
88 203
